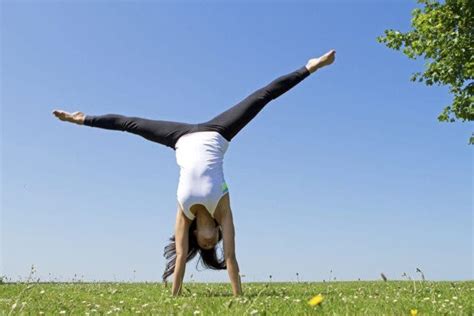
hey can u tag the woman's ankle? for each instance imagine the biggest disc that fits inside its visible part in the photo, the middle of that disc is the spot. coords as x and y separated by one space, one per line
312 66
78 117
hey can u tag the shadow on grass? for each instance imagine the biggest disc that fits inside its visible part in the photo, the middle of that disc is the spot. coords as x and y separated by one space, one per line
248 294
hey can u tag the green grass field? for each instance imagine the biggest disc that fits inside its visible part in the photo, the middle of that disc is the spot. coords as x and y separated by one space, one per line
339 298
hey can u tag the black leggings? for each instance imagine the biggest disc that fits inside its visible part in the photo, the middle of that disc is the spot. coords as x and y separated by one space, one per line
228 123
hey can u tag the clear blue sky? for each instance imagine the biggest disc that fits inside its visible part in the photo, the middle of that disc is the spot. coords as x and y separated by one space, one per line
350 171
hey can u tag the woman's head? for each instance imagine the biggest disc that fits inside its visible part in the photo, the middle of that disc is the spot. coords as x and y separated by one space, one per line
203 241
207 237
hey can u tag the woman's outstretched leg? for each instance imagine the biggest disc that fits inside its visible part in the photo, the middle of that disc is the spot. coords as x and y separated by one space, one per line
163 132
230 122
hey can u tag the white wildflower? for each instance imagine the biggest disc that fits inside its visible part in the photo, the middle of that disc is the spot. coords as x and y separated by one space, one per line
254 312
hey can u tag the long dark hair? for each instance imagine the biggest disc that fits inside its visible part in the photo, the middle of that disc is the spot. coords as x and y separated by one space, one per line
208 257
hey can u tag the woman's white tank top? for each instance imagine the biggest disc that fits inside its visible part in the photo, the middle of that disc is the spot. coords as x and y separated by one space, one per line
200 156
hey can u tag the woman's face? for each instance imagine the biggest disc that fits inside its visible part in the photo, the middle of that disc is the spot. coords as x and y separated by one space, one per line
207 238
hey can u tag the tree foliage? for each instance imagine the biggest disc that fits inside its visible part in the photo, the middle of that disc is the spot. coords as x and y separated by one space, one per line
442 34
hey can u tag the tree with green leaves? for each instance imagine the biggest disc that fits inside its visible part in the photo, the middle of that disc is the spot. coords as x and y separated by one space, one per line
442 34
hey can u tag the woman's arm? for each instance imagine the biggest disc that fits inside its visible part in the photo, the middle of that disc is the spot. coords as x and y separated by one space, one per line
181 242
228 236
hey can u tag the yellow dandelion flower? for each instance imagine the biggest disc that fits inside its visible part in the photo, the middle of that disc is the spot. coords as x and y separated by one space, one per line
316 300
413 312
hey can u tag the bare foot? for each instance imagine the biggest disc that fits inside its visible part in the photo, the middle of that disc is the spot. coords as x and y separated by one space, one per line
75 117
316 63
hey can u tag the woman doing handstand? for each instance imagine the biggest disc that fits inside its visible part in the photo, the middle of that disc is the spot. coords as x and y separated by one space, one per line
204 215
